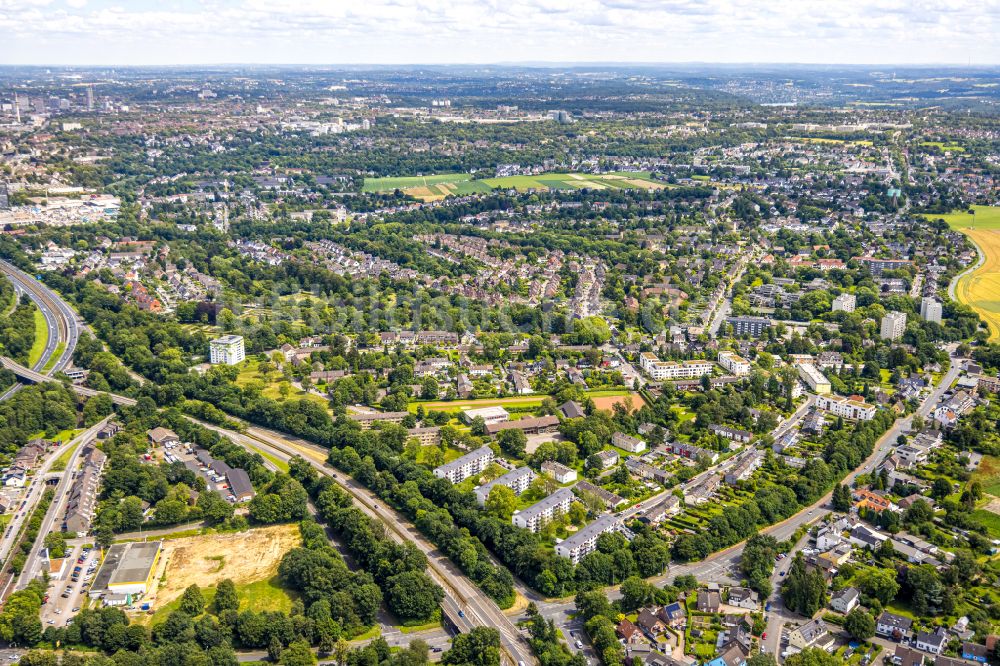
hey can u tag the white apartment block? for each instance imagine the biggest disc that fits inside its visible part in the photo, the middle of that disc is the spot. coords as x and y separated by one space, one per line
930 309
627 442
893 325
814 379
845 303
228 350
734 363
584 542
468 465
661 370
541 512
518 481
846 408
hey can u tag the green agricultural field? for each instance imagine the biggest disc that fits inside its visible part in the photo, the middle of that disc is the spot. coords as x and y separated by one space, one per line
986 217
404 182
979 288
950 147
438 186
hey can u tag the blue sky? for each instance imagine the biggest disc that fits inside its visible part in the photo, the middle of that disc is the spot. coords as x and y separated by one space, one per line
144 32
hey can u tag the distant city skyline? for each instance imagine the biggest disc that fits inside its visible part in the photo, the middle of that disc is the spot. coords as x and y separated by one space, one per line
184 32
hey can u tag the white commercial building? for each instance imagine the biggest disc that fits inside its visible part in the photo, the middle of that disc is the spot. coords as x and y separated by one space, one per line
584 542
893 325
487 414
845 303
468 465
228 350
930 309
845 407
541 512
661 370
814 379
734 363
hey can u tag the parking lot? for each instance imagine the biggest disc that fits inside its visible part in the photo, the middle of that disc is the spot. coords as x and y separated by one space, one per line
65 595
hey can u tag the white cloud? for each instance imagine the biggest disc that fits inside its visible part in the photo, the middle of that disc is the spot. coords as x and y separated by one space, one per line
403 31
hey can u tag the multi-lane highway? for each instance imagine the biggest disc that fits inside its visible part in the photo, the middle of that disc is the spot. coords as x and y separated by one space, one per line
60 320
464 605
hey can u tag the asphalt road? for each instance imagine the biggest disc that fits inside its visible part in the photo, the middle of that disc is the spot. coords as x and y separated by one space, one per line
53 516
60 320
464 604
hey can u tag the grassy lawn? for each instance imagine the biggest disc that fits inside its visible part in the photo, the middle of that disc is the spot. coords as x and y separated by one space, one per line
272 386
60 348
413 626
257 596
989 520
41 339
59 465
280 464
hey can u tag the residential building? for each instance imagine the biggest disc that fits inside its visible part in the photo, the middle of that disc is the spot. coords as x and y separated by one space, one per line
893 626
468 465
663 370
366 419
893 325
845 600
813 378
227 350
845 302
906 656
974 652
584 541
610 500
674 615
607 458
846 407
628 442
808 635
752 326
81 504
933 642
558 471
732 434
930 309
544 510
743 597
517 480
427 436
734 363
709 601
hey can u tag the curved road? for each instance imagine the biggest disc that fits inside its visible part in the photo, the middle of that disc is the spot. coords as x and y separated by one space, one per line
61 321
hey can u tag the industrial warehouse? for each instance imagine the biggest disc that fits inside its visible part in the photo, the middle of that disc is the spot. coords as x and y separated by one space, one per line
126 572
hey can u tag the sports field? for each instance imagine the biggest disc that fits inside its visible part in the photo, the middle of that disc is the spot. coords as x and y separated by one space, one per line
980 289
439 186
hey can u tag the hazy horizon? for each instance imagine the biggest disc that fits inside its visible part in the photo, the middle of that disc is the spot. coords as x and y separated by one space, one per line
467 32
